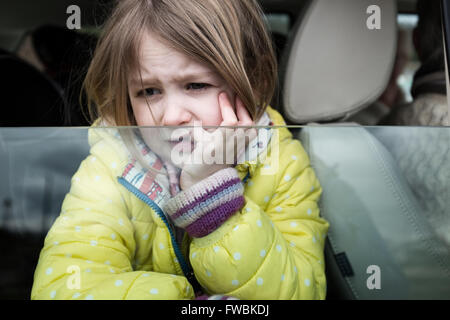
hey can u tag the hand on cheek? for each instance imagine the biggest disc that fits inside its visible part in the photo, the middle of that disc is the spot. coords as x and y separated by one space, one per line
221 141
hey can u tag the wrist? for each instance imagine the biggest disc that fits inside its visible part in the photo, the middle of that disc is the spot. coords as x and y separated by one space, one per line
187 180
204 206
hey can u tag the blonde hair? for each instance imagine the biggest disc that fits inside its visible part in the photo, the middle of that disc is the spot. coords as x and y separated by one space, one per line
229 36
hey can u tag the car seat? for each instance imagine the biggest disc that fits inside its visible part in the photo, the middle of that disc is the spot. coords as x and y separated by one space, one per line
28 97
36 169
66 55
380 244
3 52
37 165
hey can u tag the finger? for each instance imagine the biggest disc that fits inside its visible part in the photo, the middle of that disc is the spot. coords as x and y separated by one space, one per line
251 133
244 117
228 115
237 140
201 135
245 136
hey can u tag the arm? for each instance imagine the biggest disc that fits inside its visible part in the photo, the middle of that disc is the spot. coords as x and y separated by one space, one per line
272 249
95 237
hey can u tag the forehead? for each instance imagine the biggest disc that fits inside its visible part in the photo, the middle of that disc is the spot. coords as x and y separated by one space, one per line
157 58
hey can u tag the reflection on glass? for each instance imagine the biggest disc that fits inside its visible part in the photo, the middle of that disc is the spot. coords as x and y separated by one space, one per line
385 189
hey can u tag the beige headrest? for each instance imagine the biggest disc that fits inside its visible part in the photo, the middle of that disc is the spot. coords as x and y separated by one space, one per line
337 65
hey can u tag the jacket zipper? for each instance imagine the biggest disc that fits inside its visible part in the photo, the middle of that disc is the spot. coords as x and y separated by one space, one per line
188 272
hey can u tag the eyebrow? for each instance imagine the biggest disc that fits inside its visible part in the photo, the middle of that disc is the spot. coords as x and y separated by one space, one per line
180 78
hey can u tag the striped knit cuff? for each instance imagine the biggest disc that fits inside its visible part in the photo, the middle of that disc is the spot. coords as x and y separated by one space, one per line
203 208
215 297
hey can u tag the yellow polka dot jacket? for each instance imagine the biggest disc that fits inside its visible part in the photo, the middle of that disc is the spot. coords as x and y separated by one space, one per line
252 232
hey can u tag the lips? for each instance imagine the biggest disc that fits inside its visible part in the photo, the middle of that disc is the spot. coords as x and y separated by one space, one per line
183 139
185 144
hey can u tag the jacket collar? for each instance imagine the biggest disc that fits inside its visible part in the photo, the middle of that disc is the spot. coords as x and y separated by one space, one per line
151 185
274 132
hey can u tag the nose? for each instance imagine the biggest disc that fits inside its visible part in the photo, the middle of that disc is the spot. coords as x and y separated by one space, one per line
176 112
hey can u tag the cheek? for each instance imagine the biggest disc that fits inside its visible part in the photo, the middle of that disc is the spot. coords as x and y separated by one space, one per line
208 111
142 113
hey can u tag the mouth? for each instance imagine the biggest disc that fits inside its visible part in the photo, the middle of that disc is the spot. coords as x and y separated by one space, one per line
185 143
186 138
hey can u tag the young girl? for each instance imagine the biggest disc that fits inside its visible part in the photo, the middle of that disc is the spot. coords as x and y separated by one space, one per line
135 226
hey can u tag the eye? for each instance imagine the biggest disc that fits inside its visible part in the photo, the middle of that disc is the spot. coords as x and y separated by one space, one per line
197 86
148 92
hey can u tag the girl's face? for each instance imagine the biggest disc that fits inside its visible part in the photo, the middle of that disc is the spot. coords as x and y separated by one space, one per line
179 90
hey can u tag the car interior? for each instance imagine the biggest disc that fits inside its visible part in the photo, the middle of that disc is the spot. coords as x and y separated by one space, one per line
331 66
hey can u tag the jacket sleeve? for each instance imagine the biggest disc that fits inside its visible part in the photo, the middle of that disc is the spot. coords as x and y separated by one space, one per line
272 249
89 251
